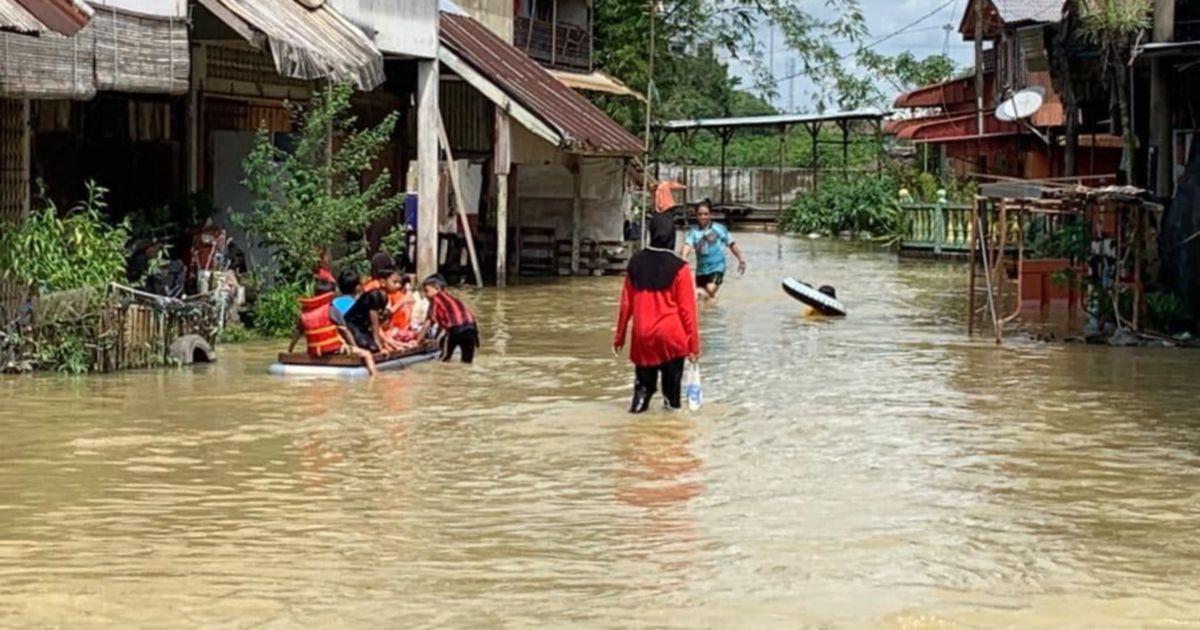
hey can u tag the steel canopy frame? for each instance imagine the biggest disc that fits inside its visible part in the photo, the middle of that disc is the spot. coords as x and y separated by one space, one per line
724 129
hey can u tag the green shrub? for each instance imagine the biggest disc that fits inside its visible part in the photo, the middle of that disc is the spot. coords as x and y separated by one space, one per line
859 204
1165 310
278 310
69 251
307 201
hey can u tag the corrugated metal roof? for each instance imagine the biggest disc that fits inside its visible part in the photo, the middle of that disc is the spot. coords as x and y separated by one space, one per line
1017 11
1009 13
777 120
34 17
582 127
595 81
14 17
307 43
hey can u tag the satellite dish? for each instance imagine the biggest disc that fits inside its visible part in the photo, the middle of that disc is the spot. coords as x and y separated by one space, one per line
1021 105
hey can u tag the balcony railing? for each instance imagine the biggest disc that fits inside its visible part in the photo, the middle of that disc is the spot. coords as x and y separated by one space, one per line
566 46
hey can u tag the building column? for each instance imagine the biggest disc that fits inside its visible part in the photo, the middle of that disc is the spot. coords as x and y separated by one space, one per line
573 164
503 159
1160 103
428 82
194 123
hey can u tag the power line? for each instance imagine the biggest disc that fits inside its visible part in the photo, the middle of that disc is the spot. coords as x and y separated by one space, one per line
900 31
905 28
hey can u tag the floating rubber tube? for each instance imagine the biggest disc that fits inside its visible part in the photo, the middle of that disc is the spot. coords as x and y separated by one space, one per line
820 302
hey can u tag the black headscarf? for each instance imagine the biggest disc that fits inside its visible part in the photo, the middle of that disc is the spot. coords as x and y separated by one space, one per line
655 268
380 264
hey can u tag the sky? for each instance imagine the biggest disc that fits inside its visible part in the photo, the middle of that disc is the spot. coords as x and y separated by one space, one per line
884 18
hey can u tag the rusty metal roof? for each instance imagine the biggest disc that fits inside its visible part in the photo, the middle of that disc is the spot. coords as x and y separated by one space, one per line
308 39
14 17
581 126
34 17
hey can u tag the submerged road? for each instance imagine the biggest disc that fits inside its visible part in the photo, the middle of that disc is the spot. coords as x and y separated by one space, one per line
880 471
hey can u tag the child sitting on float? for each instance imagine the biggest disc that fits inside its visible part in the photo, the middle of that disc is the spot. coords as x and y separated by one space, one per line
324 329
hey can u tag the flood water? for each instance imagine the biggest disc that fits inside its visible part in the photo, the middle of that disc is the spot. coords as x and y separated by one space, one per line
880 471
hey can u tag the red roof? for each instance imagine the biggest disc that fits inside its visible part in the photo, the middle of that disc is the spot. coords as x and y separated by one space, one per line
61 16
582 126
946 94
947 129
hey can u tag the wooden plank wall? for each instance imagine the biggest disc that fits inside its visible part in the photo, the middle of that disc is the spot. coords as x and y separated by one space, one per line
14 185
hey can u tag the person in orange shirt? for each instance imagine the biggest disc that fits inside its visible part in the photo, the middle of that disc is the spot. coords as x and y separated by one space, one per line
399 299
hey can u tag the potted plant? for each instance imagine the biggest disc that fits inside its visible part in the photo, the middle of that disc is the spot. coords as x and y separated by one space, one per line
1051 272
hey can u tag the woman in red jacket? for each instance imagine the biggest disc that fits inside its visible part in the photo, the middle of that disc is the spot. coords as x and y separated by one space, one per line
660 297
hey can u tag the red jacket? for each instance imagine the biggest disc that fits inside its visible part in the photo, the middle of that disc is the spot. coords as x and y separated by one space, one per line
664 322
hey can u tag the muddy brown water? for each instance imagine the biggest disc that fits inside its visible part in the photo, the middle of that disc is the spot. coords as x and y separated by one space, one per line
880 471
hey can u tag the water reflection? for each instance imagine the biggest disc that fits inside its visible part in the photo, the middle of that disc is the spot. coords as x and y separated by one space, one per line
875 471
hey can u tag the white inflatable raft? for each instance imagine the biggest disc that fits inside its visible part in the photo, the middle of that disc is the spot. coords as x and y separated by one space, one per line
300 364
820 302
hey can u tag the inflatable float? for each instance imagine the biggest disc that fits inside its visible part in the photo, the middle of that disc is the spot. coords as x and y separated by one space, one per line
344 365
820 302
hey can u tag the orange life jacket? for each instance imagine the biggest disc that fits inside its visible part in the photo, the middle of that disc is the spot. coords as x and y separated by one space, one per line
400 316
319 330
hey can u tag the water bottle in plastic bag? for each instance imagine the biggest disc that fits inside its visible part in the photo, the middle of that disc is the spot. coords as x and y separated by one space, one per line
695 396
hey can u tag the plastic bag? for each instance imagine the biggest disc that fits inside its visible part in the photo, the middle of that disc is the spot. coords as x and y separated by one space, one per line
695 395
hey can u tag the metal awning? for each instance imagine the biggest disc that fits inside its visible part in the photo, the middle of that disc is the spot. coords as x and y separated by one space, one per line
596 81
778 120
528 92
308 39
117 50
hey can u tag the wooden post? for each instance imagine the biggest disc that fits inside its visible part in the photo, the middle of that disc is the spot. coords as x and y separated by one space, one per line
428 118
502 160
971 272
576 210
1160 100
814 130
26 164
725 138
461 210
514 195
1000 272
199 66
1139 235
845 126
553 32
979 69
783 132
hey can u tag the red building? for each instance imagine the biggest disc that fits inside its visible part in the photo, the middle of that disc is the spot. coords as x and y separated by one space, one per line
944 114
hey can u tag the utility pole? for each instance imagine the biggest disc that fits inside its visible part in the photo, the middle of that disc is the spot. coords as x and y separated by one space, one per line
649 103
792 85
979 74
1160 101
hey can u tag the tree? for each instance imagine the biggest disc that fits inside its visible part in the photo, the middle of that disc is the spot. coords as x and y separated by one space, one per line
880 76
1112 26
691 38
312 199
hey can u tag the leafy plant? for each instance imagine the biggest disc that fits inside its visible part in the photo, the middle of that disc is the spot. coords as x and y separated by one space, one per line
1071 240
856 204
278 309
1113 26
1165 310
309 199
235 332
74 250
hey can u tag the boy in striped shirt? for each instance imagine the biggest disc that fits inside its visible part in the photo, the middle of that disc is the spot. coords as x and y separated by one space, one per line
453 318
